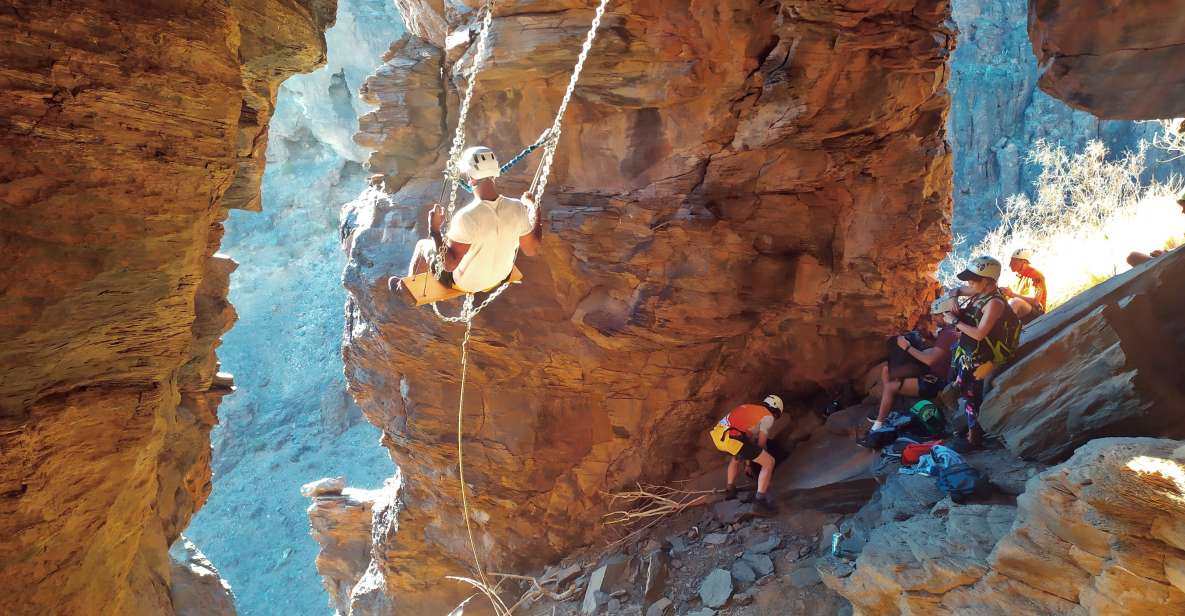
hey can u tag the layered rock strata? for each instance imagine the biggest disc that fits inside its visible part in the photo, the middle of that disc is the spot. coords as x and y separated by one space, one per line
129 128
1121 60
1098 534
746 198
1106 363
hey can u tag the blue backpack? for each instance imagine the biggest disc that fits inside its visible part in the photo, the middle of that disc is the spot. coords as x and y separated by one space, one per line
961 481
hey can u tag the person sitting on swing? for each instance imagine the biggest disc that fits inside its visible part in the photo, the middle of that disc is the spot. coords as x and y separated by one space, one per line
479 251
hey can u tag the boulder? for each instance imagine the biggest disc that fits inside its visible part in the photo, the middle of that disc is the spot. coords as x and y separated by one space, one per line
715 590
1106 363
341 525
657 573
605 579
197 589
761 564
1101 533
743 573
323 487
1117 60
662 607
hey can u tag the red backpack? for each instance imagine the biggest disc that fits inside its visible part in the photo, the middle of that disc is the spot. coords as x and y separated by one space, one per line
914 452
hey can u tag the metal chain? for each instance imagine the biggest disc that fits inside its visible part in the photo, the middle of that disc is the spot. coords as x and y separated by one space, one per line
452 172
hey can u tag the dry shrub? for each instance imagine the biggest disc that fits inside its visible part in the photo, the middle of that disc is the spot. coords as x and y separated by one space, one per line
1089 214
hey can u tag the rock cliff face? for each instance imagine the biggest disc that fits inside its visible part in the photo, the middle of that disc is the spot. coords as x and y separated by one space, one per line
1098 534
292 419
998 113
1114 59
129 129
1115 352
746 198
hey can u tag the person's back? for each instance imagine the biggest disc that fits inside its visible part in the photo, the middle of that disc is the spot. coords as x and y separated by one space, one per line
492 230
751 419
999 344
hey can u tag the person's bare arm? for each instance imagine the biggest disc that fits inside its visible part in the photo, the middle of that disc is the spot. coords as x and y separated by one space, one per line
991 314
762 438
453 251
530 243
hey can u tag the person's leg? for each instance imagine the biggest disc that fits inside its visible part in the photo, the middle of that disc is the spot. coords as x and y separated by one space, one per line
1137 258
734 469
1020 307
888 392
767 463
973 396
423 253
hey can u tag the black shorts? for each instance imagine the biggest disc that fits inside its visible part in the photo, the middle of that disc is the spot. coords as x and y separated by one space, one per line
749 450
445 278
1037 311
929 386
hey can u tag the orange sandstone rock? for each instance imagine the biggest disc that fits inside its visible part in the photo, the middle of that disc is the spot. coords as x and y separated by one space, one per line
747 198
128 129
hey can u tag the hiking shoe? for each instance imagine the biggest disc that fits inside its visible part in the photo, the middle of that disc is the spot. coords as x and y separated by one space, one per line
730 492
762 505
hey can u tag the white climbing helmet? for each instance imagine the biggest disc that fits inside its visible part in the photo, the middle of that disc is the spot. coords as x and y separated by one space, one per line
773 402
984 267
479 163
1024 254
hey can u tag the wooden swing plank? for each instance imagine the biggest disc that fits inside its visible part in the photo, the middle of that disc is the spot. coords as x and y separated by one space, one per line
424 289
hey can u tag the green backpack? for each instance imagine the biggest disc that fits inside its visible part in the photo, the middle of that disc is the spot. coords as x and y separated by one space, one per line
927 418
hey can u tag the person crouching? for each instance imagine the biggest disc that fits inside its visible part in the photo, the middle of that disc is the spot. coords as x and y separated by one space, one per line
744 433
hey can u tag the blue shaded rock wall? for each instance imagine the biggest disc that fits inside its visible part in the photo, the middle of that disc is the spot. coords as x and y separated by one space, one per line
291 420
997 113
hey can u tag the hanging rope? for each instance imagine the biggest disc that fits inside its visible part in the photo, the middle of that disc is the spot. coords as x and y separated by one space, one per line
452 172
469 310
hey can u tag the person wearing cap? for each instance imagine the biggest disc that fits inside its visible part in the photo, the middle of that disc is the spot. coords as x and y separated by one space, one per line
1027 300
483 237
744 433
988 334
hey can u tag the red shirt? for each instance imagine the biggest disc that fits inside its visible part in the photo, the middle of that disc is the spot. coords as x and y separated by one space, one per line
749 418
947 337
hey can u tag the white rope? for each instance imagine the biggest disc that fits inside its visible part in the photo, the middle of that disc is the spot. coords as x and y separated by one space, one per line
452 172
539 183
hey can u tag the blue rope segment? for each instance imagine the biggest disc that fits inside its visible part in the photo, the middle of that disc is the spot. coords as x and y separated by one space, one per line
512 162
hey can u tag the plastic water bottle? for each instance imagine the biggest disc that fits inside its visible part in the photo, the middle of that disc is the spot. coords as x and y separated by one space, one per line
835 537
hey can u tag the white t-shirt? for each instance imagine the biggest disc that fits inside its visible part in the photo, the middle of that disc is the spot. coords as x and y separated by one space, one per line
492 230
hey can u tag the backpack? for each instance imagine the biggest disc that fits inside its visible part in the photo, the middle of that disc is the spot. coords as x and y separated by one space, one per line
912 453
927 418
961 481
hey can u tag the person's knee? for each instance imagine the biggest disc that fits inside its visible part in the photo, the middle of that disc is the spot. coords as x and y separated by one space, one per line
892 387
765 460
1137 258
1019 306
